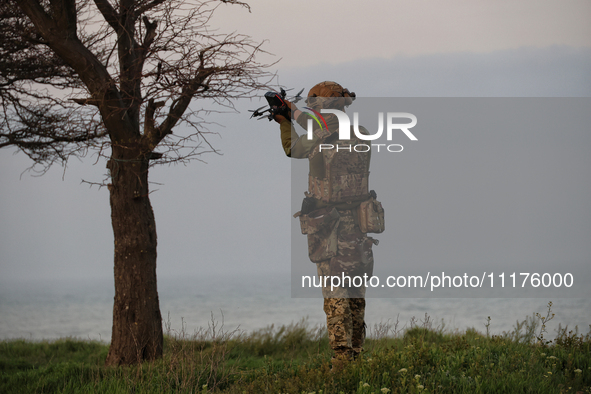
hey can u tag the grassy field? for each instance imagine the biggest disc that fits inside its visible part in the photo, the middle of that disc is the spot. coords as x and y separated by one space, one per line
420 358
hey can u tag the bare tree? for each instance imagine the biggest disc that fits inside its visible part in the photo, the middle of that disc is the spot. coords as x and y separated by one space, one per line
118 76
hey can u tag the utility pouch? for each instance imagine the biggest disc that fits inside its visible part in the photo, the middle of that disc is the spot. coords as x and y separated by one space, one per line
321 228
371 216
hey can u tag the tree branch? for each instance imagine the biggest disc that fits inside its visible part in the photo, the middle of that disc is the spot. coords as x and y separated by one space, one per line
90 70
179 106
108 13
148 38
245 5
85 101
147 7
64 14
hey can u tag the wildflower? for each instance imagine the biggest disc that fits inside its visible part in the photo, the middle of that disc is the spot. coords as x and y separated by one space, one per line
578 370
549 373
365 384
417 376
385 390
420 387
551 357
403 370
542 354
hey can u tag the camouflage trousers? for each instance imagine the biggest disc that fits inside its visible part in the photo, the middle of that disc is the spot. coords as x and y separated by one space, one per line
346 325
344 305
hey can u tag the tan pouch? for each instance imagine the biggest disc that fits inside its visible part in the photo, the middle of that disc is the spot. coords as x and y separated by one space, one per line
371 216
321 228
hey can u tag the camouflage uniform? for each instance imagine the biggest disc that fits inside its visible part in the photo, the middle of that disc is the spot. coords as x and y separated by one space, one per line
338 183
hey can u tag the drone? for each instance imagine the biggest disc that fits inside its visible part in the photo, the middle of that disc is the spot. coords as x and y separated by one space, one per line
277 105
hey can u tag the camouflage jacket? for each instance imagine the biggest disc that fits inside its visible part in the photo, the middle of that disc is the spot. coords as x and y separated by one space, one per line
338 176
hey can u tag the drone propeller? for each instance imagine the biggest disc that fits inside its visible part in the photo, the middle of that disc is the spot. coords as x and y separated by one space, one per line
297 97
256 112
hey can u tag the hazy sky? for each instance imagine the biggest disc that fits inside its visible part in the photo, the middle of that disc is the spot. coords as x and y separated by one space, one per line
234 213
309 32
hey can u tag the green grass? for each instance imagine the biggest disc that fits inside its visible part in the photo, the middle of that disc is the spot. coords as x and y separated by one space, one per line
296 359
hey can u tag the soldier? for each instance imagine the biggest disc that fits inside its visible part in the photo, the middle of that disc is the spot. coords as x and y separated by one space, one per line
338 185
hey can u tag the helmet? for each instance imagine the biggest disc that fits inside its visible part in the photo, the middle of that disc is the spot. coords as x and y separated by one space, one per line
329 94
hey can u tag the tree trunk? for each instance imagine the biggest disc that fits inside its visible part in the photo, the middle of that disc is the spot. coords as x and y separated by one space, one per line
137 322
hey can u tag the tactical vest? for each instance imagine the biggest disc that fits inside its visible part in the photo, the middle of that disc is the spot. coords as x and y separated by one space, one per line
343 173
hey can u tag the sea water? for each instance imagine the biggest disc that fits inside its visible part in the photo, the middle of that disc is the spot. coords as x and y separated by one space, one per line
83 308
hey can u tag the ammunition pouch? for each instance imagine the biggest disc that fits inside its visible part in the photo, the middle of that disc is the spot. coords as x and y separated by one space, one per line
371 215
308 205
321 228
